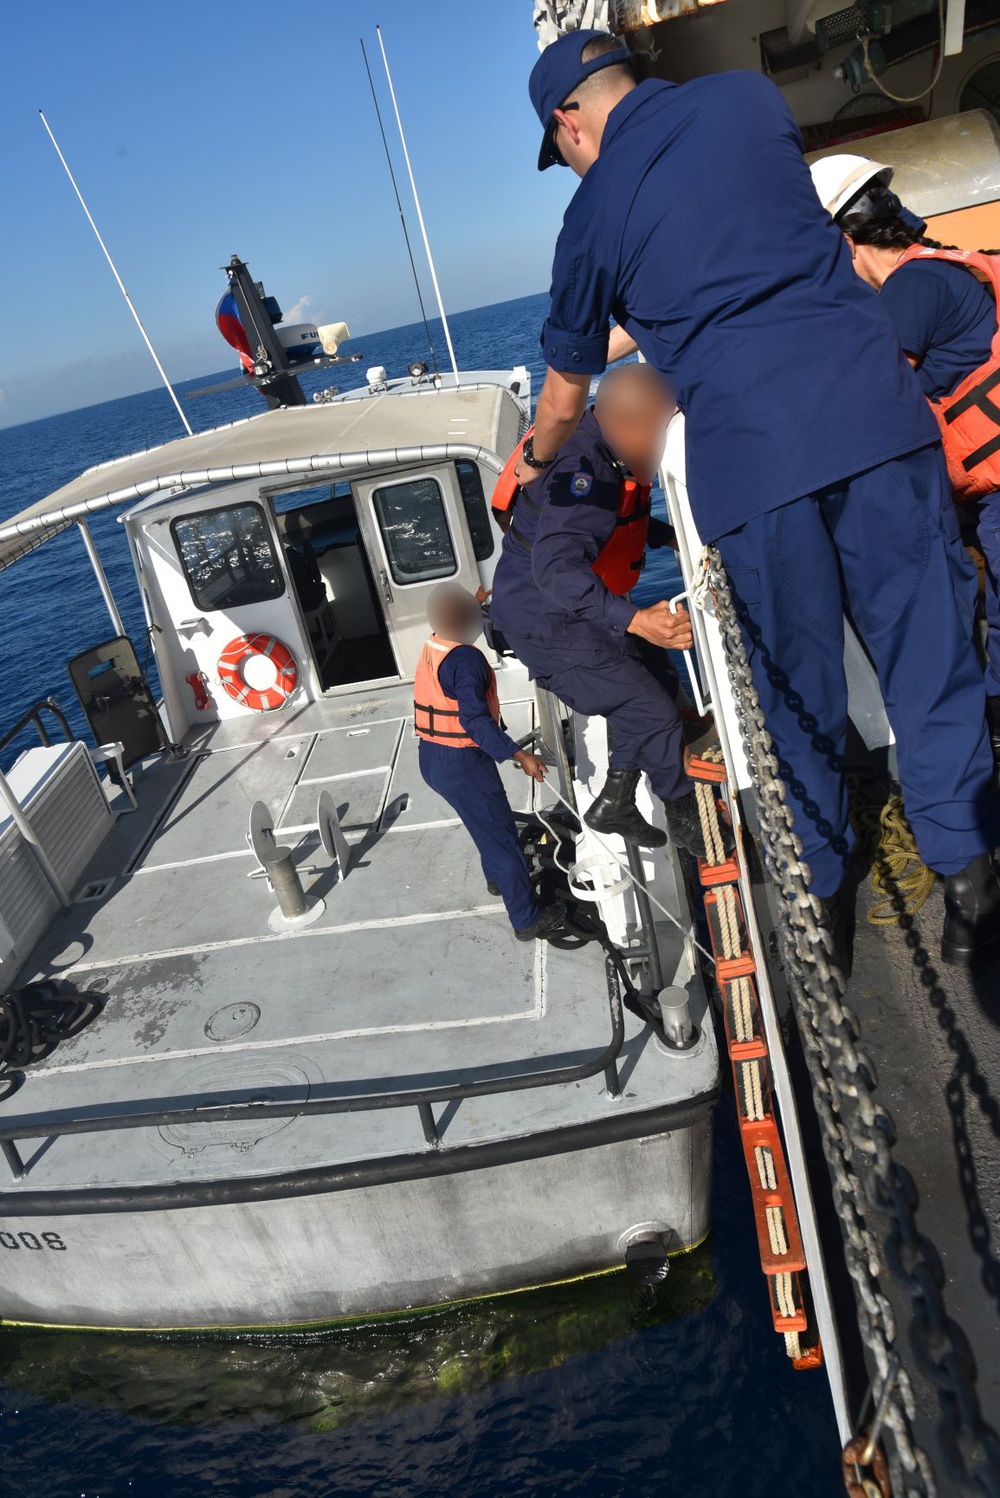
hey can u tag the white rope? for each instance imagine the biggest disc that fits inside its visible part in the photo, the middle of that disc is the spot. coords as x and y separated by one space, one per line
686 931
908 98
707 816
700 591
742 1009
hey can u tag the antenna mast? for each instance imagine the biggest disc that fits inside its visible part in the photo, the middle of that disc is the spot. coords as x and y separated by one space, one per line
121 284
420 216
399 205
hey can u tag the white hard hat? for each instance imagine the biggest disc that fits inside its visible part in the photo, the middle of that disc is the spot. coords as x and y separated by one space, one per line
839 179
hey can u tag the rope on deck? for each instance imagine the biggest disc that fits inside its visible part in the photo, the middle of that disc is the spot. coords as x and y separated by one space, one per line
902 883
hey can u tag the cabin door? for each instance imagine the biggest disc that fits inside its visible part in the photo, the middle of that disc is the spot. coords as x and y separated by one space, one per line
417 535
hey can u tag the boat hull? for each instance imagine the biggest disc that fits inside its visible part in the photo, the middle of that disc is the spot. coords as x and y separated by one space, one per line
286 1257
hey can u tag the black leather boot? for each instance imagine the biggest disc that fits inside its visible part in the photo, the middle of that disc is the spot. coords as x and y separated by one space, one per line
551 920
971 913
615 811
684 826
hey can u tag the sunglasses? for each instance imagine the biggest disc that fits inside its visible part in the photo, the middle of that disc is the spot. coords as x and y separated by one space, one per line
555 131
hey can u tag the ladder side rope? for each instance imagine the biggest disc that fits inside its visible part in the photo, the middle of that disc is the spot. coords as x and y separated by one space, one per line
775 1216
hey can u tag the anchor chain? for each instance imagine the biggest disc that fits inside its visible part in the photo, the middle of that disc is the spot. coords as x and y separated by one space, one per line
858 1131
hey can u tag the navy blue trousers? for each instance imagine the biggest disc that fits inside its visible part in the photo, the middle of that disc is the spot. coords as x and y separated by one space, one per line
470 782
886 541
611 681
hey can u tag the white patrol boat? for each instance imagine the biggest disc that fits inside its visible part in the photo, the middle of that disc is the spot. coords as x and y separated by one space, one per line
273 1055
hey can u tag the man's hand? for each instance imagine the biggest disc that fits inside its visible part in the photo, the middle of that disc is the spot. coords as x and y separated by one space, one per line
661 626
525 474
530 764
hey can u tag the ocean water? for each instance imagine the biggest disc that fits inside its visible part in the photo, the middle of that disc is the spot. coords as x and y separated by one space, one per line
598 1389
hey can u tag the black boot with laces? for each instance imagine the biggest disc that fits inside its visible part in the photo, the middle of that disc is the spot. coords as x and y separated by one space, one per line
615 812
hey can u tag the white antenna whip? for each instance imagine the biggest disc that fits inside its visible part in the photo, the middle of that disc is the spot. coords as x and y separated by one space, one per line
121 284
420 216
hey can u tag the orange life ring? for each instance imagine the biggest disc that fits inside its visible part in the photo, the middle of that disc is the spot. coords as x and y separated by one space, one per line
249 651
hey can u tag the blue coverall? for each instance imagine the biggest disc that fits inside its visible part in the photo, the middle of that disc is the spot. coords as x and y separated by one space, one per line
947 320
564 625
468 779
812 459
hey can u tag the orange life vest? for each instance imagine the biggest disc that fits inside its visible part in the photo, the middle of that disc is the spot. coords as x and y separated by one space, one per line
435 715
622 556
969 417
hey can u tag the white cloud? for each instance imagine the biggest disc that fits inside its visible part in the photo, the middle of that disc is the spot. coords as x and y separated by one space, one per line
304 311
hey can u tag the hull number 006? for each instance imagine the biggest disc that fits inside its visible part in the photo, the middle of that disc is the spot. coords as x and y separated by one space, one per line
31 1240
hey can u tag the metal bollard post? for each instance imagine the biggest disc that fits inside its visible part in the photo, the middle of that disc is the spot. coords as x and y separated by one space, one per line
675 1014
286 884
294 907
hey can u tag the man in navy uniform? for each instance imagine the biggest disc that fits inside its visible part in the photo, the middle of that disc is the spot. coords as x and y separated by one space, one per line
812 460
560 598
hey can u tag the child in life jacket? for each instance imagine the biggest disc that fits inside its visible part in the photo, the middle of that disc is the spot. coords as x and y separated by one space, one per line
456 713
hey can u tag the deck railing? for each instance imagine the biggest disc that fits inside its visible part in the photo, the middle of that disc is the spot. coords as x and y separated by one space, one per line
34 716
423 1099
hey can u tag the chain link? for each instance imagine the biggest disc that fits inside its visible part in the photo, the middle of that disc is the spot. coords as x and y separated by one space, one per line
858 1138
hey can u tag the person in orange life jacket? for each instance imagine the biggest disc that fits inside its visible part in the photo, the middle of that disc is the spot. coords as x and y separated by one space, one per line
807 438
457 719
946 319
577 632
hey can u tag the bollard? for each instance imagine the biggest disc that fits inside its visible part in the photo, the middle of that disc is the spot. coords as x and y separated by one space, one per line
675 1015
287 885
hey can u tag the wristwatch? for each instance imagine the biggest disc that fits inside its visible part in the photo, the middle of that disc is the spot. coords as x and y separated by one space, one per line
528 455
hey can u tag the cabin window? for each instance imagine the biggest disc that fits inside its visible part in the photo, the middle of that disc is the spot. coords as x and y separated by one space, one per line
478 516
228 558
415 531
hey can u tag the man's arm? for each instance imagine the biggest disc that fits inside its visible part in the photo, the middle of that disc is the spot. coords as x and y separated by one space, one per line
557 415
574 343
572 529
620 344
465 675
571 532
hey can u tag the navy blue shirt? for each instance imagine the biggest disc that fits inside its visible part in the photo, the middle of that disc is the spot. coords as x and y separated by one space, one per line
699 229
548 590
945 318
464 674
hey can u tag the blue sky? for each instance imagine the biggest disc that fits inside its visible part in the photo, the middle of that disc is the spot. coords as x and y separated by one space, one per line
198 129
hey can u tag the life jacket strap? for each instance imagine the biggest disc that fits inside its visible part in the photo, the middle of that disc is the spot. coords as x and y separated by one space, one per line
437 712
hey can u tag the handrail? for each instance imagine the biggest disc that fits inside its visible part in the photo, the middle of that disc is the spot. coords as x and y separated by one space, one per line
34 715
422 1098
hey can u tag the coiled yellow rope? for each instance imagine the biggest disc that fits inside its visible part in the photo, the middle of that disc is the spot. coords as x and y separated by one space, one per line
902 883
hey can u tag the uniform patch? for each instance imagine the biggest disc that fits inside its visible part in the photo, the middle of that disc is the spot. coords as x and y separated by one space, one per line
581 483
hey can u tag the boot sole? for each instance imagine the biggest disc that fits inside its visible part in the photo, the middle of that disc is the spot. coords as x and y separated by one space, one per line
961 956
660 841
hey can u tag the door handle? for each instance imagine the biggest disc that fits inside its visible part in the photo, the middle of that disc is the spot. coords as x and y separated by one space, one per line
383 578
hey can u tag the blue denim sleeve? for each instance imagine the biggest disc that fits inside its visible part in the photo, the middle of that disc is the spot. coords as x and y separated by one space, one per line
572 529
575 335
465 675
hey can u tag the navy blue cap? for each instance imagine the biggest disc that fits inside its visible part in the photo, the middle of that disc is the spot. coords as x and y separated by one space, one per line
554 77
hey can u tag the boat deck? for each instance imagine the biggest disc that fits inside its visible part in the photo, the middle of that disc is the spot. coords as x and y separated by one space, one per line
410 976
933 1033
